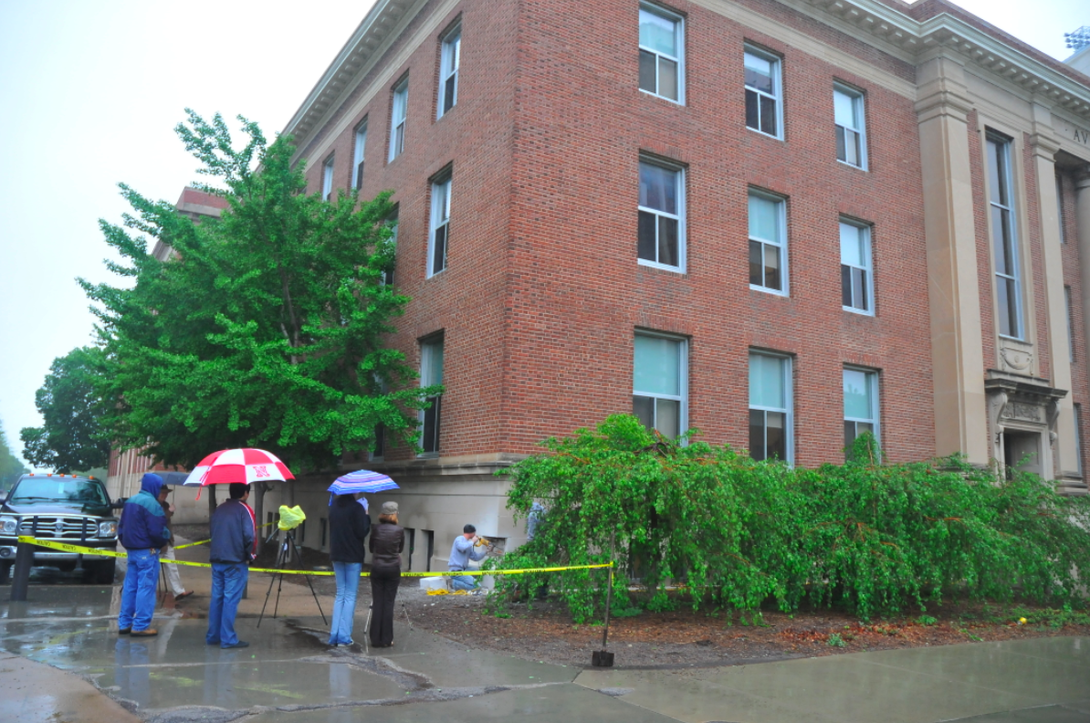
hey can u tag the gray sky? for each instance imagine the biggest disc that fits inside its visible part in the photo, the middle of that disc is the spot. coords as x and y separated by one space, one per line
91 91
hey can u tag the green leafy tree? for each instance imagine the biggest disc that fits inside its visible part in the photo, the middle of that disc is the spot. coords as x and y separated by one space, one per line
71 437
267 329
864 536
10 465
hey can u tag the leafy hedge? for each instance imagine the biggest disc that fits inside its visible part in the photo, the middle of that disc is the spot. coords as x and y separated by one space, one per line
865 536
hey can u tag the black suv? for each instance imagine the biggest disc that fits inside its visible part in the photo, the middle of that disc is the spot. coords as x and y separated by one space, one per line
64 508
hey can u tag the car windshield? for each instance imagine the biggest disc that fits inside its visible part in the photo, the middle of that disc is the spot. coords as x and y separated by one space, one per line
54 489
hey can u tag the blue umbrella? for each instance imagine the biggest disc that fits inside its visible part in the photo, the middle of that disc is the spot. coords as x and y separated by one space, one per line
362 480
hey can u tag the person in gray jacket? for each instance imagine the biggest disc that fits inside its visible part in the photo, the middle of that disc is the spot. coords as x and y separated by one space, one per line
386 543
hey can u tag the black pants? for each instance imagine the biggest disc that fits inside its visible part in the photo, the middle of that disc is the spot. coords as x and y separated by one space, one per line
384 584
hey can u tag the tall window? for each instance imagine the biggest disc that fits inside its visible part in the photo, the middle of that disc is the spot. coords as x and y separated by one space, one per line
1004 243
392 222
661 50
763 93
1070 325
439 236
399 107
767 243
860 404
659 383
450 56
851 144
770 417
1060 206
662 216
431 374
856 271
327 179
358 154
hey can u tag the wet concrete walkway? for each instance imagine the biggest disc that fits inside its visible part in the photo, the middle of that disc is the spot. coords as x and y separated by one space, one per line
289 675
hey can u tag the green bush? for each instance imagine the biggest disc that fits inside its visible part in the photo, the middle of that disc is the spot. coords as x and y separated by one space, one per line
865 536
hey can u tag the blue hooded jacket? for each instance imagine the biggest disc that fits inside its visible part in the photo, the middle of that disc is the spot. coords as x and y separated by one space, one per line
143 524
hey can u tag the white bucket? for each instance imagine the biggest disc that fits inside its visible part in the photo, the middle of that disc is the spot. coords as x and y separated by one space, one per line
433 583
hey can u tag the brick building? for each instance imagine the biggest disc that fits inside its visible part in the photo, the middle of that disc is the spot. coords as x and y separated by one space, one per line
781 222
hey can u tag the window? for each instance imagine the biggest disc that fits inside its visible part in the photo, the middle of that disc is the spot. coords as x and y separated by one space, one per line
856 273
767 243
431 374
851 144
392 222
449 57
659 383
661 48
770 417
860 404
1078 436
357 158
1070 326
440 226
661 216
1004 245
763 112
327 179
399 108
1060 206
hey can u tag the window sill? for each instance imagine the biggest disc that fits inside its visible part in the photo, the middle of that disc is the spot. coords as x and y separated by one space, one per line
428 455
862 168
432 276
664 267
1019 339
766 290
680 102
857 312
762 133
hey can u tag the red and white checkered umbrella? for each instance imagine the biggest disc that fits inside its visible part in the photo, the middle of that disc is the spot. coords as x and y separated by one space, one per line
238 465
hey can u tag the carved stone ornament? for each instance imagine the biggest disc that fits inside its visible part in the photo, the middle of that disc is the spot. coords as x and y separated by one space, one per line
1022 410
1015 360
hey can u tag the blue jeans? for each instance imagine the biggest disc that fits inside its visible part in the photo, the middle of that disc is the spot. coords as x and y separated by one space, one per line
228 582
138 591
463 582
344 605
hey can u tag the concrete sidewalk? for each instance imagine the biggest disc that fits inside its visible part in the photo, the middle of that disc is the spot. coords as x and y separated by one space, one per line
290 675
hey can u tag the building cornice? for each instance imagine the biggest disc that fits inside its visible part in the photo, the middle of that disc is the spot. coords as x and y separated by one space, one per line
917 41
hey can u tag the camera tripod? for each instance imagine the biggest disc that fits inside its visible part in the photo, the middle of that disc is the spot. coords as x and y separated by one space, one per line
287 555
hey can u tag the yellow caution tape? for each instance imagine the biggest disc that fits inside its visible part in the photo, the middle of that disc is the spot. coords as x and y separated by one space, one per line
66 547
205 542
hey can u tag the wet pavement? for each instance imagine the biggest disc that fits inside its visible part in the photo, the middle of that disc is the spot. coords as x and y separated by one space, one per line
289 675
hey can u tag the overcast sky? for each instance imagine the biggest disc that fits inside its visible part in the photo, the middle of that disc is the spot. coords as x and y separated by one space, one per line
90 93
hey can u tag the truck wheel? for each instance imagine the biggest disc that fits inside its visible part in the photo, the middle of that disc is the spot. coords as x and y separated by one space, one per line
104 575
5 573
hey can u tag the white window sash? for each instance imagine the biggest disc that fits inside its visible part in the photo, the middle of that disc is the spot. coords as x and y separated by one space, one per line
775 96
679 191
876 403
867 269
780 244
450 55
679 40
1009 240
398 114
789 400
859 107
358 154
327 179
440 221
683 381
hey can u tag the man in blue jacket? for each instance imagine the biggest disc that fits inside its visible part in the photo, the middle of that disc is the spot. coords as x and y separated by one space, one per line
142 531
234 538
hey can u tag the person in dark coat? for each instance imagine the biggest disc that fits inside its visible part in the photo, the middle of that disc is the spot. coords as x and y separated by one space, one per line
142 532
387 542
348 526
232 549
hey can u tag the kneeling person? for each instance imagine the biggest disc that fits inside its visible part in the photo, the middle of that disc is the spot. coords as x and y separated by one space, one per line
461 552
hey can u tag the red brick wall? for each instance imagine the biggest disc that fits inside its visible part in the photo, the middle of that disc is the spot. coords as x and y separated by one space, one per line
543 293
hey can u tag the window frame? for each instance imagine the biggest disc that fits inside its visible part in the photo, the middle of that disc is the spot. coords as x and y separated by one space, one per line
327 178
393 221
359 152
427 359
1010 243
449 65
868 270
777 87
679 190
781 202
874 383
683 381
858 99
439 219
679 37
399 103
787 372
